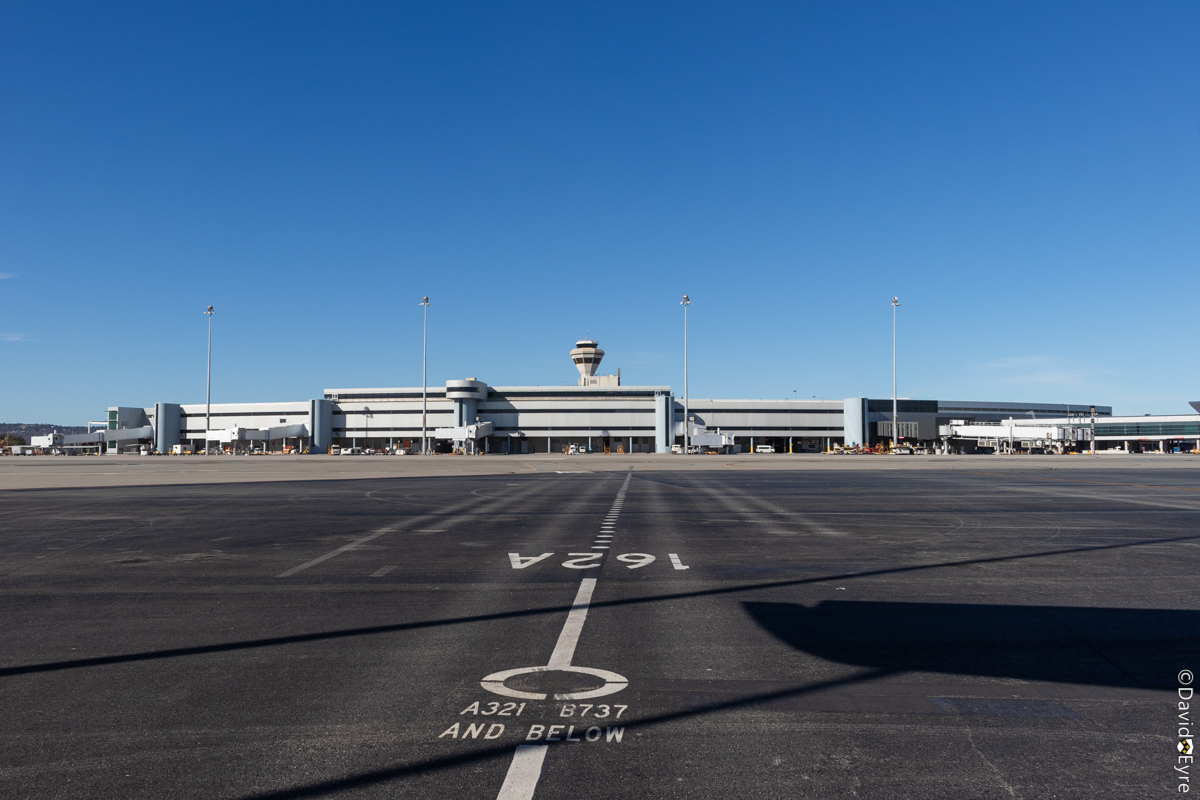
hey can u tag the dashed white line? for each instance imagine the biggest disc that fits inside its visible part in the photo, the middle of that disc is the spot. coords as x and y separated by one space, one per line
379 573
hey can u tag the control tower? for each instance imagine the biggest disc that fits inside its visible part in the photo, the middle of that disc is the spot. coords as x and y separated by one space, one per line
587 356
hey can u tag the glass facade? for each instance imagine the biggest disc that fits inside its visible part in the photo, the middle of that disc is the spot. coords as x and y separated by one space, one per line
904 406
1136 429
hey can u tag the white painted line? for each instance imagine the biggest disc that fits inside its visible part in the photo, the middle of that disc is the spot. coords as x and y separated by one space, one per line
675 560
564 651
523 772
379 573
599 547
339 551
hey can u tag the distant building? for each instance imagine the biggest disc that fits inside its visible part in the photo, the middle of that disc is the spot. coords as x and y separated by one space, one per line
597 414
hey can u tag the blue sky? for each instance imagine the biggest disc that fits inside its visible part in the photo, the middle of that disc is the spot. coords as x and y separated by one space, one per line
1025 176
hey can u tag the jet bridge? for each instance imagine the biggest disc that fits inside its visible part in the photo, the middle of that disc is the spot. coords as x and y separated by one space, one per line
1014 434
465 437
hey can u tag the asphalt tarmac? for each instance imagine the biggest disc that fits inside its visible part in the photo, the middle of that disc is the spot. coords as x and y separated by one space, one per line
771 633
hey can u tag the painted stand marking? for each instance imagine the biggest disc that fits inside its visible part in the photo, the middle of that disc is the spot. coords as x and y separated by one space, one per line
494 683
526 767
521 563
560 659
590 560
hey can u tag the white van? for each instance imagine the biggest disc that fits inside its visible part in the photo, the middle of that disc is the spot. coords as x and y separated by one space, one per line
764 448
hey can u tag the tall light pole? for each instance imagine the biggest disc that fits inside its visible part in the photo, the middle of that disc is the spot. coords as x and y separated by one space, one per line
687 301
424 366
208 312
895 403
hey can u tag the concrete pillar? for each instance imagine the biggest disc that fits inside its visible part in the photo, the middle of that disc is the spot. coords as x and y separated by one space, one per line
166 426
663 423
320 425
854 421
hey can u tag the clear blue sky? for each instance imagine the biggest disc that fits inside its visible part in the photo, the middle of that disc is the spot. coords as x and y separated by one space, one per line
1025 176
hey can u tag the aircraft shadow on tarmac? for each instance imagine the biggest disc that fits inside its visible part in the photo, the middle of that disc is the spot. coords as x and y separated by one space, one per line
1091 646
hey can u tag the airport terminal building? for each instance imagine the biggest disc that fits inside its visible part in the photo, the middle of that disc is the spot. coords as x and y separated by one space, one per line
596 415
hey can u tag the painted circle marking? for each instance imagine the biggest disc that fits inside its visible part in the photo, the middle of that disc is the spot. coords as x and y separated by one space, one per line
494 683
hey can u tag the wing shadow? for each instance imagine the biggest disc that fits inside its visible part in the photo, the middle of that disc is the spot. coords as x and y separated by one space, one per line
1092 646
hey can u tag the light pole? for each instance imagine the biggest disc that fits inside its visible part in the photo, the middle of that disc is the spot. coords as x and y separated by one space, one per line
895 403
208 312
687 301
424 366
